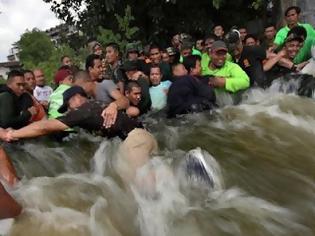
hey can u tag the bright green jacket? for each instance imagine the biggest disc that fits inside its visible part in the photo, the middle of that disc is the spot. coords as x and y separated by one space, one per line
305 52
206 59
235 78
56 100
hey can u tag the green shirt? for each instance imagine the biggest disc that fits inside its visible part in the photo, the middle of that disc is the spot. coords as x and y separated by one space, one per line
193 52
235 78
205 61
56 100
305 52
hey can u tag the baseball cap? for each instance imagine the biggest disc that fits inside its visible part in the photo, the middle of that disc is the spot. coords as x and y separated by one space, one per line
68 94
61 74
219 45
130 66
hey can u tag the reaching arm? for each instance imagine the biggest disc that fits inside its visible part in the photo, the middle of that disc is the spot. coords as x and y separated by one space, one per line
36 129
121 101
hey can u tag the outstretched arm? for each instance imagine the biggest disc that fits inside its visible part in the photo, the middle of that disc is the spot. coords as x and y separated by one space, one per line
36 129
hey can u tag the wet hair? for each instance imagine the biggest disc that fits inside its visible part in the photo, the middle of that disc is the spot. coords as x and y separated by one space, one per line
190 62
298 30
14 73
130 85
113 45
296 8
89 61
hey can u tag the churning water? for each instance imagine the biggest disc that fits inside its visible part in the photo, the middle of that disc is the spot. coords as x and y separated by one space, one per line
261 157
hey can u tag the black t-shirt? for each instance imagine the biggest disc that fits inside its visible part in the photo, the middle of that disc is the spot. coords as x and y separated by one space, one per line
251 62
88 116
188 94
276 72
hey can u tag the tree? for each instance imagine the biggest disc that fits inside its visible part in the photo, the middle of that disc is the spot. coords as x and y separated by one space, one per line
35 46
157 19
37 51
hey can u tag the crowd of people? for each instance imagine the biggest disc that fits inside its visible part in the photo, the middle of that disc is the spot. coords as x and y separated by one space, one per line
115 87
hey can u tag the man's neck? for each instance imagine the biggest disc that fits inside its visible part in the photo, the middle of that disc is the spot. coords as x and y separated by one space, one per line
293 25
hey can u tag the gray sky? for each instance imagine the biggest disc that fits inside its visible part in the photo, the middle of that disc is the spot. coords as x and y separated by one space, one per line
17 16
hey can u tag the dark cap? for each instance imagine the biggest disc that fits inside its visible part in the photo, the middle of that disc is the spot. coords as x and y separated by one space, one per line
61 75
132 47
219 45
294 37
69 93
130 66
296 8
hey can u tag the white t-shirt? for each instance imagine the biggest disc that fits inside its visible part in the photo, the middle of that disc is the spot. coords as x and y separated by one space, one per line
42 93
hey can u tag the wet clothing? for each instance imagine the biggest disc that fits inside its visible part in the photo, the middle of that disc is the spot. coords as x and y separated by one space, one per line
56 100
27 100
104 90
305 52
158 95
276 72
88 116
42 93
251 61
189 94
11 112
236 77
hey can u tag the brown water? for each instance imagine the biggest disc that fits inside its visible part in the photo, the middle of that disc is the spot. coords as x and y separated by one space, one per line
261 152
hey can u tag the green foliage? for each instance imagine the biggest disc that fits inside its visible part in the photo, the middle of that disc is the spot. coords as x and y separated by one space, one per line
35 46
37 51
125 32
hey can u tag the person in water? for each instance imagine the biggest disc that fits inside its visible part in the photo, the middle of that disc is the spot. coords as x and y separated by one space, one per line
133 153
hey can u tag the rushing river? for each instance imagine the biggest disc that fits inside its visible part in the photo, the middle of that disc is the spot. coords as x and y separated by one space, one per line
262 157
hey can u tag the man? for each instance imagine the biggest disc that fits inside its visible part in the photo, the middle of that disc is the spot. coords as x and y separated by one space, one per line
133 92
63 78
190 93
41 91
93 65
292 14
106 92
156 59
11 114
159 89
66 61
243 32
283 62
227 76
250 59
133 153
269 36
27 100
113 71
133 74
251 40
218 31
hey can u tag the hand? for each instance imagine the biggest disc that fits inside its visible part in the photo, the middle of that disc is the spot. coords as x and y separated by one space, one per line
32 110
109 115
9 136
282 53
300 66
217 82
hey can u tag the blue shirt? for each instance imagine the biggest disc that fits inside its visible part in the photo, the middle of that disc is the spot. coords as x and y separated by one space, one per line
158 95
